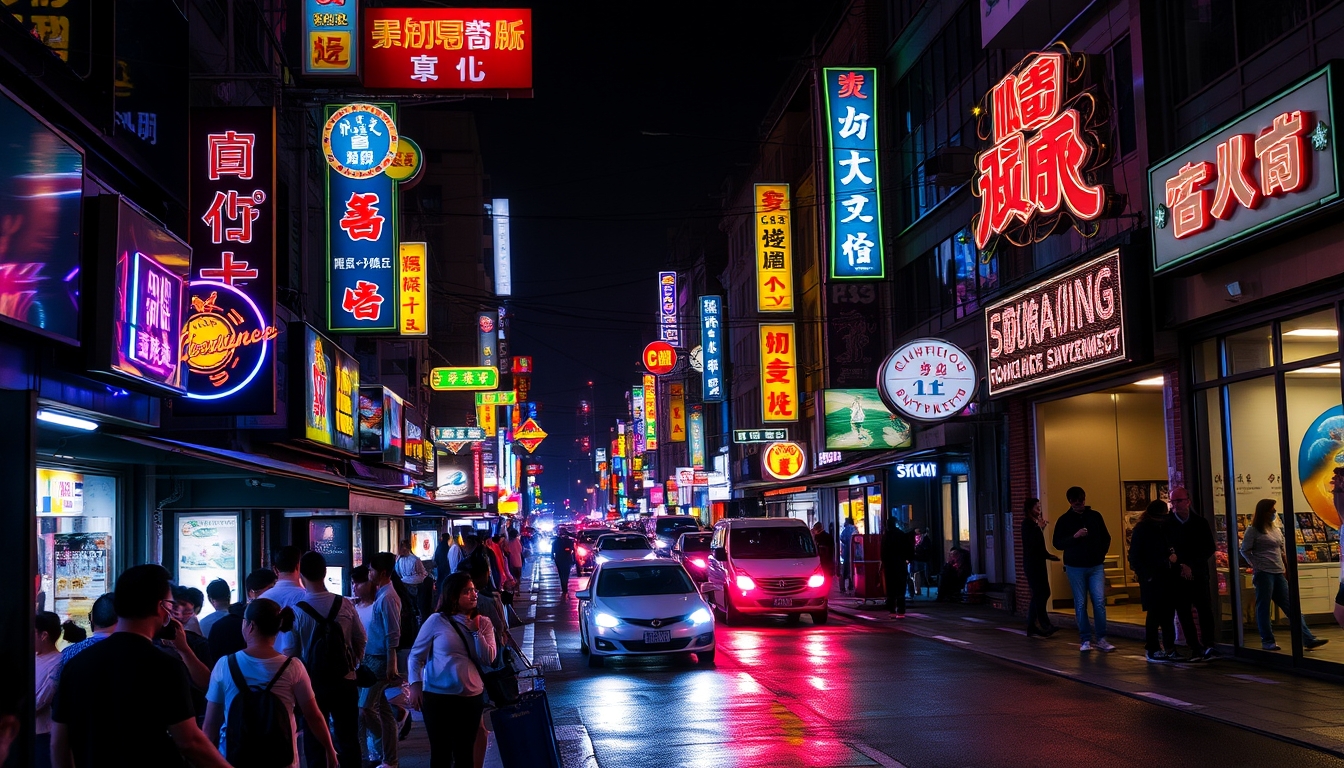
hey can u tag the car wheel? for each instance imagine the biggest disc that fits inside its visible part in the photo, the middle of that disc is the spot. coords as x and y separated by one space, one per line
595 661
706 657
583 641
731 615
819 617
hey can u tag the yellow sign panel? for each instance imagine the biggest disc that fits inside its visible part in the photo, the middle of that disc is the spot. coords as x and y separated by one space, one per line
779 373
774 249
414 290
406 160
676 413
784 461
650 412
485 419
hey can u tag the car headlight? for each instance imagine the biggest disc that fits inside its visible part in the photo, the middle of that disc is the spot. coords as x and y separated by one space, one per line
606 620
701 616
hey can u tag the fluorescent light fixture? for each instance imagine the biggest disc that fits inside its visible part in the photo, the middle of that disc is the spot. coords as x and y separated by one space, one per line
65 420
1155 381
1313 333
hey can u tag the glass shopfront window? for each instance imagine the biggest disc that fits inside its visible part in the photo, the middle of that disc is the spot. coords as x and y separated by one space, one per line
77 514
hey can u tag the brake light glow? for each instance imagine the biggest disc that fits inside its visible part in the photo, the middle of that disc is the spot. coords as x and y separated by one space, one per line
698 562
583 551
745 583
816 580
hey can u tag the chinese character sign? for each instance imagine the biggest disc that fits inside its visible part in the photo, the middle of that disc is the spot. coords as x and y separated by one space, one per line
711 341
676 412
774 249
637 411
668 328
696 421
363 293
472 378
1045 155
330 35
1269 166
927 380
448 49
855 204
779 373
485 419
650 412
330 386
414 290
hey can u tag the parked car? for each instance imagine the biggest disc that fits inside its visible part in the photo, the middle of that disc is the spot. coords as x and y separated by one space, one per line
766 566
692 551
663 530
641 608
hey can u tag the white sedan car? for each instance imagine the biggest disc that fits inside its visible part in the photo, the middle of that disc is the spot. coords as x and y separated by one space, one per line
622 546
643 608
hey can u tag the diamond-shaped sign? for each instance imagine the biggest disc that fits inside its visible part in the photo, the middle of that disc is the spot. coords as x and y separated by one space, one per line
529 435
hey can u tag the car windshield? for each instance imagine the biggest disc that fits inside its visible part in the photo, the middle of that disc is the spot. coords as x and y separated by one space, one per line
623 542
695 543
591 534
771 542
645 580
670 524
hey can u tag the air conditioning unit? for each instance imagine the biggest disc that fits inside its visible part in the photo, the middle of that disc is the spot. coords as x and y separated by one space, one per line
950 166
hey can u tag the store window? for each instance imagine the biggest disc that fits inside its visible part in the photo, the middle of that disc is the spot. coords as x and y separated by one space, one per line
77 515
864 504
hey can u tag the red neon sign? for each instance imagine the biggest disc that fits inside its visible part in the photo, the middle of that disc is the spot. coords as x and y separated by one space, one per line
447 49
1043 155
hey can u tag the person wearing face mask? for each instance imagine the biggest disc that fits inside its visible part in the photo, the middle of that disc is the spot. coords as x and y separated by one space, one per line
124 691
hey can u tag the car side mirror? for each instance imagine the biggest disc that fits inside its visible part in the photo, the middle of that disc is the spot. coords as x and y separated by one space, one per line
584 594
707 589
720 554
676 551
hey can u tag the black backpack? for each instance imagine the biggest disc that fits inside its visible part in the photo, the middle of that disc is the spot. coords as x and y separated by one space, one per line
328 656
259 733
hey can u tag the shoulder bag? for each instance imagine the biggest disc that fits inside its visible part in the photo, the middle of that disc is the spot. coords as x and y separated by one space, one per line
501 686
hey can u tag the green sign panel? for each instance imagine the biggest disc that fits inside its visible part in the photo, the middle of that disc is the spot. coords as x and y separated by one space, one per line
459 434
760 435
497 398
451 379
856 420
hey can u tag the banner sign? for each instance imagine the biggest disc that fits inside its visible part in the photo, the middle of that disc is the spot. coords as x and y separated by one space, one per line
697 430
650 412
471 378
487 342
330 34
669 329
676 412
774 249
499 208
858 420
448 49
760 435
229 344
497 398
330 386
359 141
1072 322
927 380
711 378
414 290
853 317
779 373
1267 167
856 205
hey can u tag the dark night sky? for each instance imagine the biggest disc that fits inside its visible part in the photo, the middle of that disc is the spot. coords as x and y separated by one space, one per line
592 199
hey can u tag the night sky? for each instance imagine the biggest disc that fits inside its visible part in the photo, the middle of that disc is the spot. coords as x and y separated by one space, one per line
592 198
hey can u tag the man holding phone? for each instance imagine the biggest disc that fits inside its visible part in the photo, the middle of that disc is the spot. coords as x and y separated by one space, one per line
1081 535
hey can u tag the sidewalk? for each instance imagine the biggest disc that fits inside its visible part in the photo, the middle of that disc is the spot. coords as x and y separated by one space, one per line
1285 706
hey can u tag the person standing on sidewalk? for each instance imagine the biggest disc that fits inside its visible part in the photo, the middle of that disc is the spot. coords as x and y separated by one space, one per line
329 638
1192 539
562 552
825 549
1034 558
380 657
897 549
1263 548
1082 536
847 555
415 577
1153 561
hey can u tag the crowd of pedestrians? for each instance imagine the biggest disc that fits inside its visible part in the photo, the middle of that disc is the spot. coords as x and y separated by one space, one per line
292 673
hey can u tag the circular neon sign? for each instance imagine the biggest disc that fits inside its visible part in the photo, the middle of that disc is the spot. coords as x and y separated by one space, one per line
224 340
927 380
359 141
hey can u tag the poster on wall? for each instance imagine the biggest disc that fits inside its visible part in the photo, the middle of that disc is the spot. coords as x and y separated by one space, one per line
371 420
457 478
207 549
857 420
80 572
424 544
330 537
59 492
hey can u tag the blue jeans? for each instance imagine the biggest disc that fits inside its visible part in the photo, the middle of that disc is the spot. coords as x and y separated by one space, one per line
1274 586
1088 582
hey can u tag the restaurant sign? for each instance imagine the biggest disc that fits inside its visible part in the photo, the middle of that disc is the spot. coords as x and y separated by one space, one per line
1267 167
1072 322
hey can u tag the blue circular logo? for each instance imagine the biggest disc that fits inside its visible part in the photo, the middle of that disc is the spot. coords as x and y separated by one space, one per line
359 140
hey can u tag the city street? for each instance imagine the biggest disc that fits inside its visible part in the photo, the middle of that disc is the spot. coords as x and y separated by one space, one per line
848 694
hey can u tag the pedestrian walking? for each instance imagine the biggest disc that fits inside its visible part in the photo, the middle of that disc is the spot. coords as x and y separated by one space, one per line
1192 539
1264 550
380 658
446 682
411 569
1034 559
562 553
220 597
847 555
288 589
48 630
897 550
1153 560
1081 535
103 621
513 547
256 729
123 694
825 549
329 639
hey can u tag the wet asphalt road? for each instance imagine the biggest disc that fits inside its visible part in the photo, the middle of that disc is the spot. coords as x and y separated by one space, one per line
847 694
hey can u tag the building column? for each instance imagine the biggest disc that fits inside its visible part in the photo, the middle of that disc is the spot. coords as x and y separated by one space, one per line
18 552
1021 485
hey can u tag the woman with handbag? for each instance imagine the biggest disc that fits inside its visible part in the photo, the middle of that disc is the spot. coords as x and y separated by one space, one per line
445 673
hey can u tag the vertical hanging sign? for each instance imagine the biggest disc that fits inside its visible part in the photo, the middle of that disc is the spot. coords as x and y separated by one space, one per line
487 339
779 373
359 141
668 328
650 412
637 410
676 412
414 290
697 430
774 249
855 206
499 208
331 35
228 339
711 337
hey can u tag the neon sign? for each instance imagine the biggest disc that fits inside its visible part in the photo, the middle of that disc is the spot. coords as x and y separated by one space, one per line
448 49
330 33
226 341
856 204
774 249
668 328
1045 152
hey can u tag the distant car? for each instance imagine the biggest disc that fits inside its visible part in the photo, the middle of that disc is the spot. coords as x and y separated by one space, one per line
766 565
585 546
641 608
663 530
623 546
692 551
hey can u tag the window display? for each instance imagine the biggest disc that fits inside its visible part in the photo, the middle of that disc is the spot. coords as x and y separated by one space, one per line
76 518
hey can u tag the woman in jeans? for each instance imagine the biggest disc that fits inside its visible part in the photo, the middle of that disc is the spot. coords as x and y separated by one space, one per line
1264 550
445 673
1034 558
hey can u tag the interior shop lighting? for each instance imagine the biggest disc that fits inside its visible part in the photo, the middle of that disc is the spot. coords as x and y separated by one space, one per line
1313 333
1330 368
66 420
1156 381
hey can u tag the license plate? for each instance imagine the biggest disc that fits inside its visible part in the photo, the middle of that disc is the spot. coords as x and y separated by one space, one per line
663 636
783 602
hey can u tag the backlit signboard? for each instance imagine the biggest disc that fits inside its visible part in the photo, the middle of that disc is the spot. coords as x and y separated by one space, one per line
669 329
331 37
779 372
855 204
659 358
774 249
499 208
784 461
697 429
330 385
676 412
927 380
414 290
371 420
487 342
650 412
1268 166
1072 322
232 228
460 434
463 378
711 340
394 443
448 49
858 420
457 478
496 398
760 435
413 441
637 410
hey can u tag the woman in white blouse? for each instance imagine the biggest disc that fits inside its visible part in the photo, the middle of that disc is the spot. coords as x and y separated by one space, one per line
445 675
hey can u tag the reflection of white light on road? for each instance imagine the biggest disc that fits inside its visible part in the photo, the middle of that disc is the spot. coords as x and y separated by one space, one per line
817 683
817 652
746 640
747 684
613 703
702 689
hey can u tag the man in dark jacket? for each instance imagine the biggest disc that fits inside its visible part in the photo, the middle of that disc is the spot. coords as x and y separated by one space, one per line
897 550
1082 536
1190 536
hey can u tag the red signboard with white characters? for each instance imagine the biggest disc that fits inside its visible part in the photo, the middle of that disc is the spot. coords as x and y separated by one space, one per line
1045 156
447 49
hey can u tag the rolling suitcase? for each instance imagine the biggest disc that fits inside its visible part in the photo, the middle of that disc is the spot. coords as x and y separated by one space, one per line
525 732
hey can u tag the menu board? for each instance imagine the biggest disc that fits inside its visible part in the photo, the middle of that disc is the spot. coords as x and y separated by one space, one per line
80 563
207 549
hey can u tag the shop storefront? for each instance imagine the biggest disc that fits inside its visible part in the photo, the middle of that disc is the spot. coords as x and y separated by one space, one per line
79 512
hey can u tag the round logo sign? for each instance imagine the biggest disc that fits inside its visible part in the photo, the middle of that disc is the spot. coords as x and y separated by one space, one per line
406 162
927 380
660 358
697 359
360 141
224 340
486 323
784 461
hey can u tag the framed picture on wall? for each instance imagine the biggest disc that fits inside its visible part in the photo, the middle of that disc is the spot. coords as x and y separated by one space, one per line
1137 495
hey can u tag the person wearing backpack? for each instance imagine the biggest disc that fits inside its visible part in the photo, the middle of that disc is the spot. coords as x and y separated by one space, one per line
253 693
330 640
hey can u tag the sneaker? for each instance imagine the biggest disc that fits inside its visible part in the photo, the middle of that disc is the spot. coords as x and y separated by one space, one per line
1209 655
1104 646
1175 657
1158 657
1269 646
1196 658
1314 644
1085 647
